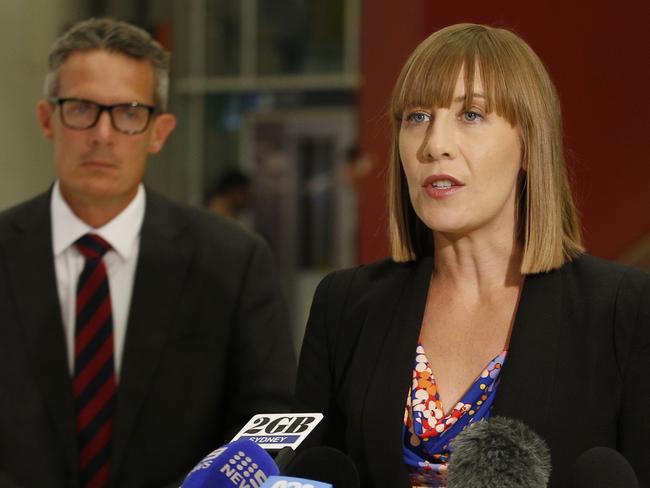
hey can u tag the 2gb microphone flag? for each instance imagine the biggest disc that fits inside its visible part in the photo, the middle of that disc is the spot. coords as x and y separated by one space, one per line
278 430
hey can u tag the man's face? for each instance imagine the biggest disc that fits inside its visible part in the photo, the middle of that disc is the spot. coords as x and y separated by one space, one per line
101 166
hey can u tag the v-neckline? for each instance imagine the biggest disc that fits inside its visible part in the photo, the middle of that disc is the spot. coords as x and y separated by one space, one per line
432 377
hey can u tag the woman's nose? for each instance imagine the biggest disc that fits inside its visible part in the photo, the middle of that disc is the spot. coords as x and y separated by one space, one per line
440 139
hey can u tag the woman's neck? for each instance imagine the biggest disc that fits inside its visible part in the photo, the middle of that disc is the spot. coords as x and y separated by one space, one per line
477 265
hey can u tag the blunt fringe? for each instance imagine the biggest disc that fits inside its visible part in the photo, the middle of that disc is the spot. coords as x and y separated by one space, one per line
113 36
517 88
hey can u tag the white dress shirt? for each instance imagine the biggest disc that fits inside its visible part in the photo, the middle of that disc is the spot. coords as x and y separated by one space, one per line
123 234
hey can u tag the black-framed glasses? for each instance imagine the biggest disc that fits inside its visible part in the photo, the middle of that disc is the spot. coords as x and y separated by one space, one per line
128 118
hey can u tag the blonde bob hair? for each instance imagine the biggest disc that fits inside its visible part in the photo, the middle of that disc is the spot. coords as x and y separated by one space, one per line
517 88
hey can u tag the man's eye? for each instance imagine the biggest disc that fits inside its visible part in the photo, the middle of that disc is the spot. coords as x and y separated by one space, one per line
80 108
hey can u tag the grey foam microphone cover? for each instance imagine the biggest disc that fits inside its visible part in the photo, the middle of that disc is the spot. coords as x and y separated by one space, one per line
501 452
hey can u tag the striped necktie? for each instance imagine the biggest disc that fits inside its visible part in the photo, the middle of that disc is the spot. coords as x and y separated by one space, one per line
94 386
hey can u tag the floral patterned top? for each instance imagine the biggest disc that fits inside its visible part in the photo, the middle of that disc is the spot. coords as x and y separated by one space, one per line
427 431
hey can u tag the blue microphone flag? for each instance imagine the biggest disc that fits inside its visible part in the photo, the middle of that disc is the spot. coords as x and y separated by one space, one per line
241 463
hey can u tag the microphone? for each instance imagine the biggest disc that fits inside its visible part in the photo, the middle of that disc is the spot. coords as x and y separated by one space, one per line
328 465
602 467
240 463
245 463
500 452
291 482
279 433
325 464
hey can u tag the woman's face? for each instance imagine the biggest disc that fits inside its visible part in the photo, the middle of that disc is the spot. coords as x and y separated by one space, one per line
461 165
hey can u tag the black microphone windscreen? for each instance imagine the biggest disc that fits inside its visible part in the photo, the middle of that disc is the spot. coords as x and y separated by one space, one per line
500 452
325 464
283 457
602 467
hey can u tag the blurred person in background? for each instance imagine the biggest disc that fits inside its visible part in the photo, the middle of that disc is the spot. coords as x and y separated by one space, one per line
137 334
489 305
231 195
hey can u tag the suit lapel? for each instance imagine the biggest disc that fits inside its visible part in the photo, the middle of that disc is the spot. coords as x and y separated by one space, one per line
387 349
529 371
30 267
163 262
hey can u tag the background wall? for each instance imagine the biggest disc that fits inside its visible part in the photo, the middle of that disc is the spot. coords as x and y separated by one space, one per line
597 57
28 29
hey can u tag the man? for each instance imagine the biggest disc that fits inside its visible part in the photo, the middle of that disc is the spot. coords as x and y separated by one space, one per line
136 335
230 195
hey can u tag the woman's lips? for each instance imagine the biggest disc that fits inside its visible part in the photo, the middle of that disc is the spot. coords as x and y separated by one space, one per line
441 186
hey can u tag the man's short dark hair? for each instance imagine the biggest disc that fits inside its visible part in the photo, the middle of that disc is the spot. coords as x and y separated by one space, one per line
114 36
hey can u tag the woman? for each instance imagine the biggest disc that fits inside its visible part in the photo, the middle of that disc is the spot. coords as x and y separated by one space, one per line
489 305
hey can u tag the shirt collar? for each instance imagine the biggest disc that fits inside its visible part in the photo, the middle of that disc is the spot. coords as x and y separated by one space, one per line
120 232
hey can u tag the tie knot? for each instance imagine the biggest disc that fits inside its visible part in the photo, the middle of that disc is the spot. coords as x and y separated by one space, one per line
92 246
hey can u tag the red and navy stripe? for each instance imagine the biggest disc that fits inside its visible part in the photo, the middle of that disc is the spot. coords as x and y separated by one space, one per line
94 386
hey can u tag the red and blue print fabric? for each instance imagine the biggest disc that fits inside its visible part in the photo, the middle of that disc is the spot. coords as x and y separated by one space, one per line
428 431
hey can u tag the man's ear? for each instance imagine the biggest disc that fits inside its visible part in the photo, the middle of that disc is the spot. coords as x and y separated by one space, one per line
44 113
163 125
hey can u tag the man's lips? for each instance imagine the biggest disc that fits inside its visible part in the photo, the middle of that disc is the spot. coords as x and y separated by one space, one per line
98 163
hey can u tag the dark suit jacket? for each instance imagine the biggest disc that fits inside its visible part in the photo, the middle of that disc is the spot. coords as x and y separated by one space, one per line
577 371
207 346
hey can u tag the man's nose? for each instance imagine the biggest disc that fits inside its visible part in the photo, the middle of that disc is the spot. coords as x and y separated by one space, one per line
103 130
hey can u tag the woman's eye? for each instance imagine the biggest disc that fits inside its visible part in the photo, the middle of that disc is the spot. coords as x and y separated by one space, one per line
471 116
417 118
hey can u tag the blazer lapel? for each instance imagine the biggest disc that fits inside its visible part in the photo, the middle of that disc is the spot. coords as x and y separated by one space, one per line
30 267
528 374
387 349
162 267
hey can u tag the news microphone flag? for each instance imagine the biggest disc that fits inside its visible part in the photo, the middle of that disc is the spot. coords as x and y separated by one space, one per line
239 463
278 430
291 482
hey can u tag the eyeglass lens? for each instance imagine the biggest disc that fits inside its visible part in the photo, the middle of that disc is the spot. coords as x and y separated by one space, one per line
83 114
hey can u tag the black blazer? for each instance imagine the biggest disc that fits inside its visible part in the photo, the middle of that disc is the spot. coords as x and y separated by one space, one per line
577 371
207 346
